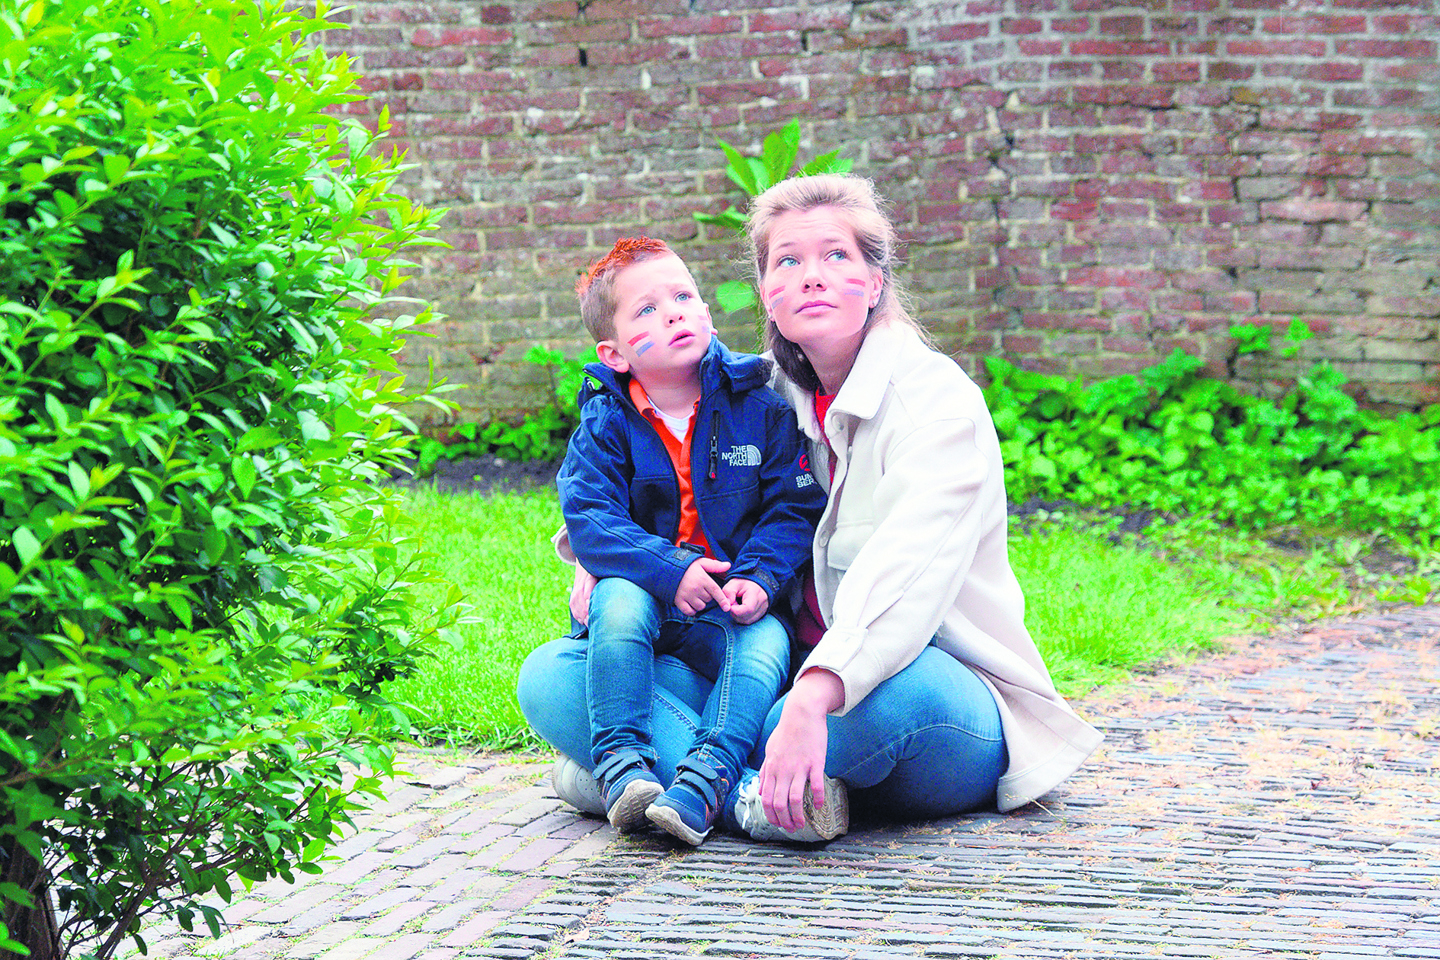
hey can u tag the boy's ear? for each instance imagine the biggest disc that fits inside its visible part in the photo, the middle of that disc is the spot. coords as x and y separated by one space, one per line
609 354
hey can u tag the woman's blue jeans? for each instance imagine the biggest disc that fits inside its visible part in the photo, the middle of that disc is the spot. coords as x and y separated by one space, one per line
744 664
925 743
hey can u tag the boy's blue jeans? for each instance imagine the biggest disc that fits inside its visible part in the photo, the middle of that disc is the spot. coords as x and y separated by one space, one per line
745 666
925 743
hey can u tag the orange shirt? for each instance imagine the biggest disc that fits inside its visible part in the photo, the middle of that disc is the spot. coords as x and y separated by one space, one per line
690 530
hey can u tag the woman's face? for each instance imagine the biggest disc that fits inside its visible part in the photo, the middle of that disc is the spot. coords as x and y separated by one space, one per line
816 285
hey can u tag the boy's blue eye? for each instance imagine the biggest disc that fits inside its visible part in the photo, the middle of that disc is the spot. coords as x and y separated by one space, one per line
682 296
648 308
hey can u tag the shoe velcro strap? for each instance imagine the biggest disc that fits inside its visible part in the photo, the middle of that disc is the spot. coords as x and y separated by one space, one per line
617 763
701 777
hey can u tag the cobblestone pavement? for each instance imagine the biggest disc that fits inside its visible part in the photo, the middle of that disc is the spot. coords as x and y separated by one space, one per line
1281 799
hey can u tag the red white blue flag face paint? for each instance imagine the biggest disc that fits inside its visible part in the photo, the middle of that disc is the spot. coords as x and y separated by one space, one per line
774 297
641 342
854 287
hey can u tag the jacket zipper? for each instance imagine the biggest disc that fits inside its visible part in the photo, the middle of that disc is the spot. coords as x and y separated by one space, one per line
714 443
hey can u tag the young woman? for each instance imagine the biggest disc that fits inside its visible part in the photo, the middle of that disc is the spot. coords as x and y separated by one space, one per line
923 691
919 687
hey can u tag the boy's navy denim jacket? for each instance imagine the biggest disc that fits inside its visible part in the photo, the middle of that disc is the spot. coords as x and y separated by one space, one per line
756 500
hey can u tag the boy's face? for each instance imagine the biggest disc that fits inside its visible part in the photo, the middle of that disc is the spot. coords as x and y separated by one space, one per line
662 327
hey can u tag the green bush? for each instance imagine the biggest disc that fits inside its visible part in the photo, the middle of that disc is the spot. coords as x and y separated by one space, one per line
200 590
1172 440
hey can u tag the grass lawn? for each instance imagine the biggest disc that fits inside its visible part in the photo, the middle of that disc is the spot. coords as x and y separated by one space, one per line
1096 608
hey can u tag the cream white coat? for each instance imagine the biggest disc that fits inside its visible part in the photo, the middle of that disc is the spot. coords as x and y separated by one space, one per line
912 545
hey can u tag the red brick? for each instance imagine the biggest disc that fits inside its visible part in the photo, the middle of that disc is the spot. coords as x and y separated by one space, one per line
1021 26
731 47
1230 71
1231 213
652 27
1352 143
410 13
1275 48
799 20
1120 48
1400 49
547 34
1314 24
1105 277
1122 25
459 37
1178 71
631 9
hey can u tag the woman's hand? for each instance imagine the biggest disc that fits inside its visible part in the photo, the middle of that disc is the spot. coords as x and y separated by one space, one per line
795 752
580 594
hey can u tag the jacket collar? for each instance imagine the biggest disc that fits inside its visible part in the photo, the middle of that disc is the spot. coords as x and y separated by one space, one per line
864 389
742 371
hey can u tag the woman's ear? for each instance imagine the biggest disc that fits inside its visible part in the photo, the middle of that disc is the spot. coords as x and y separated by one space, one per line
878 277
609 353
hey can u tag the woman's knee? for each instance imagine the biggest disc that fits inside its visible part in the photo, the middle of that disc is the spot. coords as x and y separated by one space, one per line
926 742
550 682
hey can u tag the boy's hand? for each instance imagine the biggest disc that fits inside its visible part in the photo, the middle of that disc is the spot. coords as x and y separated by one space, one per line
580 594
748 600
697 588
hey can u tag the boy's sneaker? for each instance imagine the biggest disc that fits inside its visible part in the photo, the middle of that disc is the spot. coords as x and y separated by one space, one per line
824 823
576 786
688 809
627 786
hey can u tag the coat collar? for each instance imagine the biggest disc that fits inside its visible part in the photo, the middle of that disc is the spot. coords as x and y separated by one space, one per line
742 372
864 389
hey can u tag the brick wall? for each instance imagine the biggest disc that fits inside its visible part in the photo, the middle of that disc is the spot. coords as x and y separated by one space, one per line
1083 185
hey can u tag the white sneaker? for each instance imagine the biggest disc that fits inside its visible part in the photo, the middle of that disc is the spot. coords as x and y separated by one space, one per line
826 823
576 786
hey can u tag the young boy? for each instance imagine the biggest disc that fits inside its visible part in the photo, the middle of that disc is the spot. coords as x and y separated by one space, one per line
685 492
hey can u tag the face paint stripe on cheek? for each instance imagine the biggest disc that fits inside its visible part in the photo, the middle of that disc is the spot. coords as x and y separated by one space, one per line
641 347
774 296
854 288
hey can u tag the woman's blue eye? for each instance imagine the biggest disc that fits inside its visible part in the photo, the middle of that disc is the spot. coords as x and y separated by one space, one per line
840 254
786 262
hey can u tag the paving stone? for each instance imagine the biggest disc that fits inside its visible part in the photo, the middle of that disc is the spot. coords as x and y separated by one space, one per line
396 919
378 904
475 927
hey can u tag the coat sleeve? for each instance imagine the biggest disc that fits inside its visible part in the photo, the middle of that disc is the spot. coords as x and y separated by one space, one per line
791 504
904 568
595 501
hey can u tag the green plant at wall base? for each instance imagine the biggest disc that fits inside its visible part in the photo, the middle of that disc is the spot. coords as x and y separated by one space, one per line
202 592
779 153
1174 441
540 435
1257 337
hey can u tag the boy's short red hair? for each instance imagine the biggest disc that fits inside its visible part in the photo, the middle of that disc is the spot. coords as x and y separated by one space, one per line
596 286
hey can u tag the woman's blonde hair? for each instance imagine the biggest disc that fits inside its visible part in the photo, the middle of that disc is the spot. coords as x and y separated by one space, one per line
862 208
